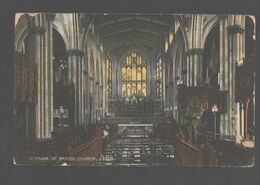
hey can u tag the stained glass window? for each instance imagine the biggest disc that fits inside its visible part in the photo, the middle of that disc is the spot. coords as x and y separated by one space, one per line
159 78
133 72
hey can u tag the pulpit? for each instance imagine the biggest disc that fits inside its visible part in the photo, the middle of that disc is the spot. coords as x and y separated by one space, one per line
207 96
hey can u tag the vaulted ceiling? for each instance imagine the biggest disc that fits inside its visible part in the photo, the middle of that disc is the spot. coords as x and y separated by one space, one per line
121 32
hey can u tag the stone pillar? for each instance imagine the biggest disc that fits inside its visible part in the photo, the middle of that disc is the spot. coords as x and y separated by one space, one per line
174 94
103 100
114 78
153 78
236 53
105 86
81 92
49 85
97 99
242 120
118 78
223 71
85 95
194 67
238 119
231 54
40 46
163 82
75 74
188 71
91 100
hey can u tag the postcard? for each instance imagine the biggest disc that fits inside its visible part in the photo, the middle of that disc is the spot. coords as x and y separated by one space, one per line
142 90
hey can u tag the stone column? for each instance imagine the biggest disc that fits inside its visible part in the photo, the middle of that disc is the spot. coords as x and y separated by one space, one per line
114 78
97 99
105 86
188 71
153 78
85 95
231 54
75 73
237 124
102 101
163 82
91 101
174 94
223 71
236 53
49 85
40 46
242 120
118 78
194 67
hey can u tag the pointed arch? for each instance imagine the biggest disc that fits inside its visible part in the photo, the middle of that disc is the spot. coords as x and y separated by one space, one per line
208 27
184 32
21 31
177 64
59 27
91 65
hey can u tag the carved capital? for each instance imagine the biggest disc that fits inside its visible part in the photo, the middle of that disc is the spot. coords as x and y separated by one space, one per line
194 51
37 30
222 16
235 29
50 16
75 52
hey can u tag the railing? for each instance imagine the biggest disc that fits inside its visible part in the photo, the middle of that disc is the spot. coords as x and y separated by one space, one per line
201 153
194 155
118 120
93 148
146 107
212 150
189 154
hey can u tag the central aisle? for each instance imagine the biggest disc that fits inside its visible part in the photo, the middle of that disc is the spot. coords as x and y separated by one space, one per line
134 145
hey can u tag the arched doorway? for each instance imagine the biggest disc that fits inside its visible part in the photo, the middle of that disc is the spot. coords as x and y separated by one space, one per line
210 76
248 72
62 92
211 64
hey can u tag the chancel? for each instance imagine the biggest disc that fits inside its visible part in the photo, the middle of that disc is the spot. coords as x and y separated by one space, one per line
134 90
